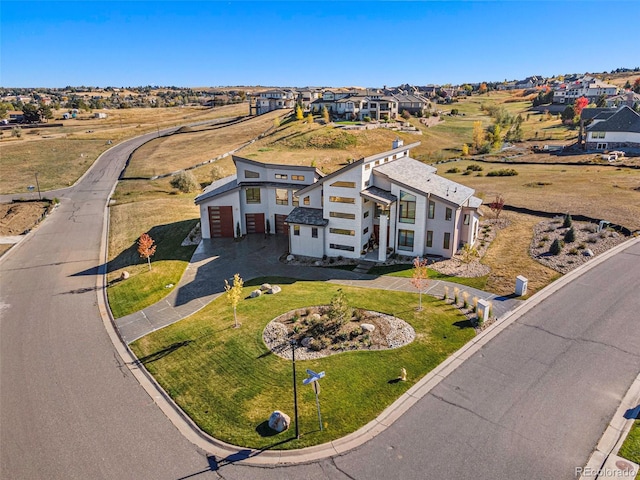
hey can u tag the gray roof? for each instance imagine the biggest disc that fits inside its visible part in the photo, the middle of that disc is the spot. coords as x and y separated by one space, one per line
218 187
591 113
379 195
624 120
307 216
423 178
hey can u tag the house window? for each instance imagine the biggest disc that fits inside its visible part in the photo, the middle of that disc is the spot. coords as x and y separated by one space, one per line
299 178
350 216
344 184
447 214
376 163
366 214
601 146
296 230
366 230
342 199
367 166
407 208
342 231
314 232
282 196
429 238
282 176
306 201
432 209
405 239
295 200
597 134
250 174
253 194
380 210
466 219
337 246
447 241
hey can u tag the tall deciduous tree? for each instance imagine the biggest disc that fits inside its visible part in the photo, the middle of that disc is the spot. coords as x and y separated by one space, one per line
478 135
234 294
325 115
420 277
299 113
581 103
146 248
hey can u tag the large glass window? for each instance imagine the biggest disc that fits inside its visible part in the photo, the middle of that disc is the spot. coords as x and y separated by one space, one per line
405 239
253 194
432 209
429 238
282 196
340 183
342 231
447 241
407 207
350 216
250 174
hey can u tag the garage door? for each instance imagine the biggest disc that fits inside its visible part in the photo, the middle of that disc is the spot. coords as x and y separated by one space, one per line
255 222
281 226
221 222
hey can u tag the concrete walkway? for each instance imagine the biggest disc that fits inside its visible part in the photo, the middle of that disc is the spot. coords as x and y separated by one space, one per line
256 256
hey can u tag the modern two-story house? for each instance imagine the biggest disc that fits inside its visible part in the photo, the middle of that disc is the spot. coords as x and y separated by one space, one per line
383 203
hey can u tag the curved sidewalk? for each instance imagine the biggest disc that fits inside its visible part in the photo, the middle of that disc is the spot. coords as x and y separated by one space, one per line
256 256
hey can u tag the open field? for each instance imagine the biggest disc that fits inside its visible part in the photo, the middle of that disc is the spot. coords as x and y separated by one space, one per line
228 382
599 191
60 155
181 150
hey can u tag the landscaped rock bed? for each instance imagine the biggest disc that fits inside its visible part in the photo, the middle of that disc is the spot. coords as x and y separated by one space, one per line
587 244
317 335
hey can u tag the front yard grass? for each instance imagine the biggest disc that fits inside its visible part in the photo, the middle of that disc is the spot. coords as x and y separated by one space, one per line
228 382
406 271
631 446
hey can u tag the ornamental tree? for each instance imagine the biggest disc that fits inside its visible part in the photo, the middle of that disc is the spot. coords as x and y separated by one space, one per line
146 248
497 205
234 294
420 277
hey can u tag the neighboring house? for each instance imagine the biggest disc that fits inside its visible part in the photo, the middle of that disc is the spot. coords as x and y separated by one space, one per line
15 116
629 98
273 100
258 193
616 131
587 86
307 96
530 82
383 203
413 103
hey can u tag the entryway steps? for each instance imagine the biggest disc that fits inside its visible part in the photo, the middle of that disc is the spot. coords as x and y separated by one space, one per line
364 266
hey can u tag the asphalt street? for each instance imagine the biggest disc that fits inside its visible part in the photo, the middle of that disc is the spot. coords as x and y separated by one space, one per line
532 403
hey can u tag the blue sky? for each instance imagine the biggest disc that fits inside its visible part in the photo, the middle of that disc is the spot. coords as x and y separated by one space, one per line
306 43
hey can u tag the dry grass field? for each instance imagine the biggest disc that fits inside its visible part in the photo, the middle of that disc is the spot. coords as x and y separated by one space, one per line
61 155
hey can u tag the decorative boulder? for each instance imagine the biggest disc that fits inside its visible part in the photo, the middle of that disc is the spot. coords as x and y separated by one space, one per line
256 293
290 258
124 275
279 421
265 286
274 289
306 341
315 317
587 253
367 327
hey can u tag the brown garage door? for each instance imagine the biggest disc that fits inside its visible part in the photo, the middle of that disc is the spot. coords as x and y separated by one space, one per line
255 222
221 222
281 226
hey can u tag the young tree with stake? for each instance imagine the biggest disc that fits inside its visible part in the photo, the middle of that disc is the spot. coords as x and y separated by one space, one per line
234 294
420 277
146 248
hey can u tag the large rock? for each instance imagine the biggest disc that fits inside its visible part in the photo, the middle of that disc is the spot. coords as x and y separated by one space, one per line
290 258
256 293
367 327
124 275
274 289
306 341
587 252
315 317
279 421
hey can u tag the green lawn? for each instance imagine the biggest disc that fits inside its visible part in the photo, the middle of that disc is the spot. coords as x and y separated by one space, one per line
406 271
631 446
227 381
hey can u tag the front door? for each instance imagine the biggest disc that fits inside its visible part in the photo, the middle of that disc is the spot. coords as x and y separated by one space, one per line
281 225
255 222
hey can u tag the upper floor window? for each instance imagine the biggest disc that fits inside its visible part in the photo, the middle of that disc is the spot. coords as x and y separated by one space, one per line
340 183
299 178
432 209
282 196
295 200
350 216
282 176
466 219
448 213
253 195
342 231
342 199
306 200
251 174
407 207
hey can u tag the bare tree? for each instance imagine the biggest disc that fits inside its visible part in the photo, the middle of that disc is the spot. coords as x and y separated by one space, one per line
497 205
420 277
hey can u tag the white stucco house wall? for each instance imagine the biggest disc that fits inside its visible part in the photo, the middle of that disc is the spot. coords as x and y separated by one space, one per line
619 131
383 203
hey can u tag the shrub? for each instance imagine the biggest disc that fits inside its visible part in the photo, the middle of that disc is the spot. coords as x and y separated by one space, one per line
573 251
503 172
591 228
556 247
453 170
592 238
567 221
570 236
545 238
185 182
474 167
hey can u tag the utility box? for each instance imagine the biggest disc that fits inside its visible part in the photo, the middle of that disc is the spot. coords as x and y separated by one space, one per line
483 310
521 285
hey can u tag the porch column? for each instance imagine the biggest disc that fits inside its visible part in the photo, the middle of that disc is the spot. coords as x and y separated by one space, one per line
382 242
